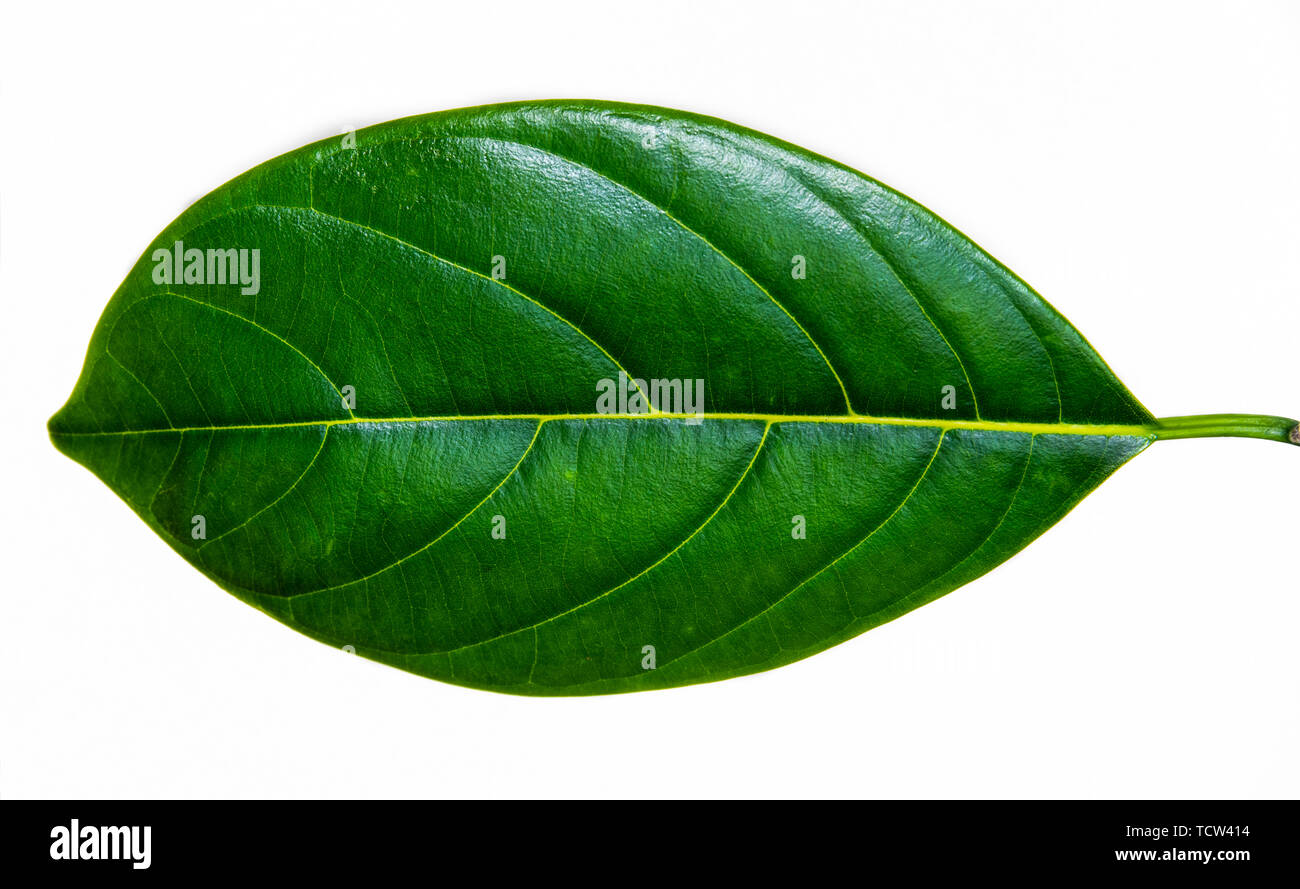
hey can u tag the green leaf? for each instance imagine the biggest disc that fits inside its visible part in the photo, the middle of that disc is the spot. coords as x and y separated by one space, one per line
377 418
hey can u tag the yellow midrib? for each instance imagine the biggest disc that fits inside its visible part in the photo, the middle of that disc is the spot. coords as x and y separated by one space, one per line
838 419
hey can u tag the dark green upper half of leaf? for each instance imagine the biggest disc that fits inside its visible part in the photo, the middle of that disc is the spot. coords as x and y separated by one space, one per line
634 238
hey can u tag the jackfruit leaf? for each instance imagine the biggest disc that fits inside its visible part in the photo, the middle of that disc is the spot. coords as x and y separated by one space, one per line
579 397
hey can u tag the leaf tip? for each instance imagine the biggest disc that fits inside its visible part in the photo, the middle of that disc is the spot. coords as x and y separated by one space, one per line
53 425
59 427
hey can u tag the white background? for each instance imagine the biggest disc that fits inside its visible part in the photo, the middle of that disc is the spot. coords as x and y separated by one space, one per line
1135 162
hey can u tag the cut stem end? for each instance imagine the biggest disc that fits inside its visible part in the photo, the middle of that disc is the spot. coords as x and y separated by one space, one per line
1269 428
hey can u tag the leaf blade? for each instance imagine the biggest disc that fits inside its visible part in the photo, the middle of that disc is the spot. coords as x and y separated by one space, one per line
677 261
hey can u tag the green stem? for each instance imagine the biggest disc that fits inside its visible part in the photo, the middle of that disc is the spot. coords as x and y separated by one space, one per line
1241 425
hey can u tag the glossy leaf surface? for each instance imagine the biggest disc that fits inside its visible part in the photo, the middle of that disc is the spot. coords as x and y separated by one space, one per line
391 438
